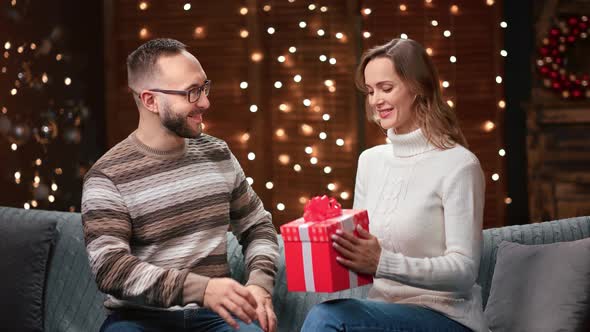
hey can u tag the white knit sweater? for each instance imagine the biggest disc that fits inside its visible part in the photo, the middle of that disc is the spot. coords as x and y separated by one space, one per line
426 207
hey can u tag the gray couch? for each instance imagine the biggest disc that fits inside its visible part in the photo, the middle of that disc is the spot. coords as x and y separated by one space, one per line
73 303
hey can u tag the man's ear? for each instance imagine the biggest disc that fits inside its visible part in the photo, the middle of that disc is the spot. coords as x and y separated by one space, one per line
148 99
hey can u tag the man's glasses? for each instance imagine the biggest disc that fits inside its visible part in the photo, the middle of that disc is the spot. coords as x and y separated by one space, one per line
192 94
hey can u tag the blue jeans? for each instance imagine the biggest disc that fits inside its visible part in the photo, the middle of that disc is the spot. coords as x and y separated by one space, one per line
192 320
372 316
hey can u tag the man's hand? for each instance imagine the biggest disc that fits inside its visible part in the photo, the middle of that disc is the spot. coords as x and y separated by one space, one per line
265 311
226 296
358 254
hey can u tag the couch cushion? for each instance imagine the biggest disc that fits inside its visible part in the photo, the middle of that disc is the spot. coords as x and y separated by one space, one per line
24 247
541 287
562 230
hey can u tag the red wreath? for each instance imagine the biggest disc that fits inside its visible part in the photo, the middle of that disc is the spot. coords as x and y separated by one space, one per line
552 58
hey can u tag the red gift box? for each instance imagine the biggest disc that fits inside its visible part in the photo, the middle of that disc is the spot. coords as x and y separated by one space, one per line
310 257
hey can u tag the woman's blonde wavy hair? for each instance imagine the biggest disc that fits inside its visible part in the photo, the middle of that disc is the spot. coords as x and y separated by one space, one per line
415 68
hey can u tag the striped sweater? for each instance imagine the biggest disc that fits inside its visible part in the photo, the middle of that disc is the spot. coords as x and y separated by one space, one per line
151 217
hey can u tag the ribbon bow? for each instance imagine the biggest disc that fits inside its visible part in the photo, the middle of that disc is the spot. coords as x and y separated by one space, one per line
321 208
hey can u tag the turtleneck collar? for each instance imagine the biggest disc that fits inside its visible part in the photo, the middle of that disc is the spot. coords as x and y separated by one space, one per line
158 154
410 144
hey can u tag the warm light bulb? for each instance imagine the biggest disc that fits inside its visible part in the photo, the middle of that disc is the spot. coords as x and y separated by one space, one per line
327 169
308 150
321 32
453 59
13 146
270 30
340 142
244 33
143 5
504 53
250 180
17 175
297 168
302 24
253 108
280 206
251 156
455 9
499 79
278 84
313 160
284 159
245 137
67 81
403 36
344 195
326 117
306 129
445 84
489 126
502 152
502 104
257 57
306 102
429 51
339 35
269 185
503 25
508 200
495 177
187 6
51 198
366 11
434 23
243 85
323 135
331 186
280 132
243 10
27 206
323 58
332 61
403 7
366 34
328 83
281 58
292 49
297 78
447 33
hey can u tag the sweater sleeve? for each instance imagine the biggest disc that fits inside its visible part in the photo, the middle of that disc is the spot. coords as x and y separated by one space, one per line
456 270
360 184
107 232
253 227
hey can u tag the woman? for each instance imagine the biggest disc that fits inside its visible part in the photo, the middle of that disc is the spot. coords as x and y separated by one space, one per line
425 196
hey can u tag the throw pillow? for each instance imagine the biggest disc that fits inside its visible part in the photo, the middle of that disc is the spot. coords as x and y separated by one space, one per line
24 248
542 287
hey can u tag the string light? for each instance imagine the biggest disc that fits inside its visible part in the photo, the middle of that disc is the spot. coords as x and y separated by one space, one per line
297 78
340 142
327 169
187 6
366 11
297 168
447 33
434 23
313 160
280 206
302 24
253 108
250 180
243 85
502 152
243 11
344 195
270 30
278 84
269 185
244 33
326 117
281 58
251 156
495 177
143 5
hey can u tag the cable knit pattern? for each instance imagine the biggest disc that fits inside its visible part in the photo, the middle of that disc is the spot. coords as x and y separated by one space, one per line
426 208
150 217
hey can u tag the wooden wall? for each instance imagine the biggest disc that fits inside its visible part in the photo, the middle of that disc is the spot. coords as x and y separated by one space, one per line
226 57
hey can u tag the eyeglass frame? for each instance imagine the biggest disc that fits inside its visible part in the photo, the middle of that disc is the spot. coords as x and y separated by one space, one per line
206 87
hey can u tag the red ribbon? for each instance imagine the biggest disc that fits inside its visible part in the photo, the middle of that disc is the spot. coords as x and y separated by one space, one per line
321 208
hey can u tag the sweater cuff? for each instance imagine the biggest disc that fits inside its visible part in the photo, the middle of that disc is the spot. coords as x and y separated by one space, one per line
260 278
390 264
198 285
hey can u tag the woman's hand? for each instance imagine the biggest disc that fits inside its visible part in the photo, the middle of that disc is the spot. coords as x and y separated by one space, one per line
358 254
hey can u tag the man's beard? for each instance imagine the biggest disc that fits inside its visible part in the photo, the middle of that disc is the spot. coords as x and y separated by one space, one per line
179 125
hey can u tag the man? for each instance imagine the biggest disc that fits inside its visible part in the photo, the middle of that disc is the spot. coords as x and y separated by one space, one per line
157 206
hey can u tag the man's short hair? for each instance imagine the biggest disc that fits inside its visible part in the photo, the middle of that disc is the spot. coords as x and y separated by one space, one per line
141 63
